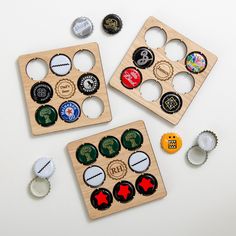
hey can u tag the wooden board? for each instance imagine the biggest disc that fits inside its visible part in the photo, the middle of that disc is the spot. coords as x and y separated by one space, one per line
170 68
110 180
58 98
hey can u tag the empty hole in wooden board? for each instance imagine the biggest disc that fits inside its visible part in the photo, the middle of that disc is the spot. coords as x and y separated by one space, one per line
84 60
155 37
150 90
93 107
175 50
37 69
183 82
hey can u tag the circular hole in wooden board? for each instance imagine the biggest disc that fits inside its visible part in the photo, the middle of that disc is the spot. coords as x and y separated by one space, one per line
93 107
150 90
37 69
155 37
84 60
175 50
183 82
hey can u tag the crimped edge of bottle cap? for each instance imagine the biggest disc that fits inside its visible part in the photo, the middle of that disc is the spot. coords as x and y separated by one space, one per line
214 135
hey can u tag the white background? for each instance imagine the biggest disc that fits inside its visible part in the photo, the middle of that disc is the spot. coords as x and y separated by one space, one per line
200 201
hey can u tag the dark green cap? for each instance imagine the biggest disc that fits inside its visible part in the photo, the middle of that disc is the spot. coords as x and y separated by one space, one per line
46 115
132 139
86 154
109 146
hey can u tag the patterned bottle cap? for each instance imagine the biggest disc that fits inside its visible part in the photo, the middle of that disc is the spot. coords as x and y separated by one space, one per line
69 111
131 78
143 57
86 154
82 27
101 199
196 62
171 142
132 139
88 84
41 92
46 115
109 146
112 24
171 102
124 191
146 184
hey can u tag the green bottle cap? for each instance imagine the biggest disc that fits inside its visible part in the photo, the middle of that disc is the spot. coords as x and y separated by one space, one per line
109 146
46 115
132 139
86 154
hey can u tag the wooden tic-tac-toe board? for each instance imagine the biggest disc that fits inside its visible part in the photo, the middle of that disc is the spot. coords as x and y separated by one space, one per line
56 102
142 63
116 169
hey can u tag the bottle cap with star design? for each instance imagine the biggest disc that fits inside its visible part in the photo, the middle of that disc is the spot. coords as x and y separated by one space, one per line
124 191
69 111
146 184
101 199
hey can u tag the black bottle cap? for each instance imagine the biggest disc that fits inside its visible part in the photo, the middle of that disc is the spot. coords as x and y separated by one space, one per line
112 24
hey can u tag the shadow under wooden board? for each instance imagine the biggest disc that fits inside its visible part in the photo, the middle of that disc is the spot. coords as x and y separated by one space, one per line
116 169
142 63
56 100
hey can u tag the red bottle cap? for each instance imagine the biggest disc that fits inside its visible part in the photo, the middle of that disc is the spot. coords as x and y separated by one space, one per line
131 78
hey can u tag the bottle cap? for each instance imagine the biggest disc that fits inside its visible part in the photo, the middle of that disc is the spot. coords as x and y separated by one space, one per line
101 199
39 187
143 57
41 92
171 142
196 62
132 139
112 24
44 167
124 191
88 84
207 140
139 162
60 65
86 154
94 176
146 184
171 102
131 77
82 27
196 156
69 111
109 146
46 115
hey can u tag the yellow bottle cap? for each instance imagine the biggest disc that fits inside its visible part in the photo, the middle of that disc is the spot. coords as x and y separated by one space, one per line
171 142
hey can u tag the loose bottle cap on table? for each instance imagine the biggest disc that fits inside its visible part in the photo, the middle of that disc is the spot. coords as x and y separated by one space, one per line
44 167
82 27
207 141
171 142
112 24
39 187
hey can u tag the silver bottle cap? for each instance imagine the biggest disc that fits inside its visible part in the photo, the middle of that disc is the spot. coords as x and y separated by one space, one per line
82 27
